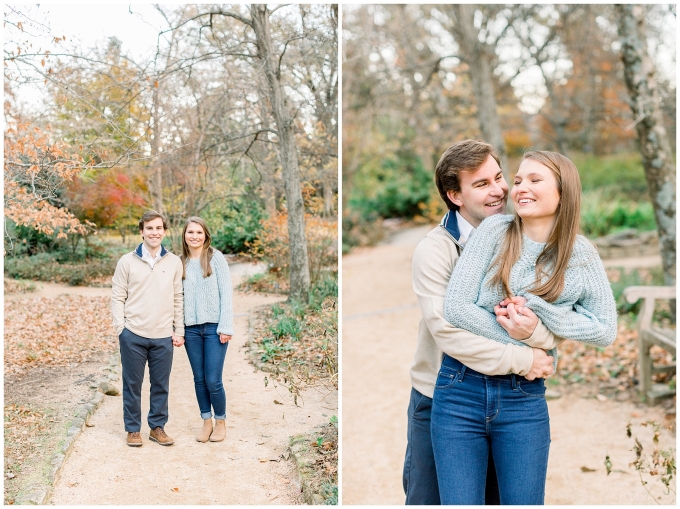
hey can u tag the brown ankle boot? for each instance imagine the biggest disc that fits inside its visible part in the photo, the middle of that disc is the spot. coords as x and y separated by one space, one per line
205 432
220 431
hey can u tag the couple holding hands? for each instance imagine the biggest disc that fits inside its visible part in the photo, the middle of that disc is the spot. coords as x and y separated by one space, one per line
160 300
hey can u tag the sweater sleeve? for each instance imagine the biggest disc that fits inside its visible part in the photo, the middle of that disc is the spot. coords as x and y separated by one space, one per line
178 288
460 306
432 264
119 294
592 319
226 323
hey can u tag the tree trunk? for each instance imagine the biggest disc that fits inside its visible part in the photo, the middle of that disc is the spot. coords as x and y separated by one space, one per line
156 177
479 65
653 144
299 262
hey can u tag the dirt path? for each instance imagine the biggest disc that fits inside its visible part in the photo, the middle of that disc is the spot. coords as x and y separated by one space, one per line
380 323
247 468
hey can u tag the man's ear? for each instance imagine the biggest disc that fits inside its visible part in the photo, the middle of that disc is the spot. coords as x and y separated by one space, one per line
454 197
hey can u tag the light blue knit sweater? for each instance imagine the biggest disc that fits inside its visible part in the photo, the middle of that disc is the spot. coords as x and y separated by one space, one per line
585 311
208 299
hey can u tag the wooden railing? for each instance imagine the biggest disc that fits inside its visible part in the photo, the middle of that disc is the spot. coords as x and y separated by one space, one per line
650 335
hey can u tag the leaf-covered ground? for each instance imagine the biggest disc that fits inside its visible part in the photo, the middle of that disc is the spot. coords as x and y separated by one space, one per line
56 332
611 371
53 349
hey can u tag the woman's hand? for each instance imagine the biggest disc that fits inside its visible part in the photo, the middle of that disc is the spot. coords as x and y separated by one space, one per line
516 300
224 338
519 321
177 340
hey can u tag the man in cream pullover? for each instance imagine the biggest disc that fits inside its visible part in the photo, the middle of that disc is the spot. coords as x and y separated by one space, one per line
471 183
147 307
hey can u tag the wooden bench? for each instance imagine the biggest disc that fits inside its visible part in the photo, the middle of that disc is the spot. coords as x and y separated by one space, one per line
651 335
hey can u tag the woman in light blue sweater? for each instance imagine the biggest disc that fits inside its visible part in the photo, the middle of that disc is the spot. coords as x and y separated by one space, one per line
516 268
208 323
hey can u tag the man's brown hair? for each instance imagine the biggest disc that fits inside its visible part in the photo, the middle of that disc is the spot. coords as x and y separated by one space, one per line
150 215
466 155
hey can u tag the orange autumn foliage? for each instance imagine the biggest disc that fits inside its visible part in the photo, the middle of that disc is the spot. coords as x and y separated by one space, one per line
272 245
35 170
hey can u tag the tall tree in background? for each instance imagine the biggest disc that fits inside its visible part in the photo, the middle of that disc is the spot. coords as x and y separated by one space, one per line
270 58
657 158
477 56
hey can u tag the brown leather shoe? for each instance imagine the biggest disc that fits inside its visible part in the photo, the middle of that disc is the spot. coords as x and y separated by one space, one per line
134 439
158 435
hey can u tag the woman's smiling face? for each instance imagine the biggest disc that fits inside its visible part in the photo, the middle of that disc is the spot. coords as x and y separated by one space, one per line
535 193
195 236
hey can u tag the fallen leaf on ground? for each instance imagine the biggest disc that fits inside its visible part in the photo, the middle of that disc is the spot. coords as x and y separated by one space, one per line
586 469
278 402
175 490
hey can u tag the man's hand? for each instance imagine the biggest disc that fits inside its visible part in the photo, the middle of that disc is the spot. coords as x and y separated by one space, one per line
519 322
542 366
177 340
224 338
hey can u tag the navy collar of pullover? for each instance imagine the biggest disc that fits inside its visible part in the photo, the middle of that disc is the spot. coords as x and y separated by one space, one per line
450 224
139 253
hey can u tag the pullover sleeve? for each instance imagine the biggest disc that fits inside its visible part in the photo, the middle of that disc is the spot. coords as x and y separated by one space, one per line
592 319
461 309
178 312
432 263
226 323
119 294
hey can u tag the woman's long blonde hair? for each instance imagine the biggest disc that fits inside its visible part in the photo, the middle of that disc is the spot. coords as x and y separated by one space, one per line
554 259
206 254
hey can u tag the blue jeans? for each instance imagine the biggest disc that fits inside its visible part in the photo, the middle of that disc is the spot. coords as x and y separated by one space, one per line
206 356
474 414
420 473
135 352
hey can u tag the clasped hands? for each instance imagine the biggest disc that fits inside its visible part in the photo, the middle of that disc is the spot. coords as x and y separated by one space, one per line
520 322
513 315
179 340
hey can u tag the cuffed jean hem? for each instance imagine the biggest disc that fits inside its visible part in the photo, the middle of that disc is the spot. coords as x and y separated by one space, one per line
221 417
206 415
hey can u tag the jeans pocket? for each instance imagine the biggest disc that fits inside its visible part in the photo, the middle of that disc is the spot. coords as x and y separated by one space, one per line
532 389
446 379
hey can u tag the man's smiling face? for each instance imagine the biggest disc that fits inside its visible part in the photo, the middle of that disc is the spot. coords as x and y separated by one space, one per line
153 234
483 192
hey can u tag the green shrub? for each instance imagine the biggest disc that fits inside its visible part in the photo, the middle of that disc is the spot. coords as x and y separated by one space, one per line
290 326
326 286
330 493
394 187
239 225
602 213
621 173
45 267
